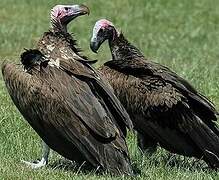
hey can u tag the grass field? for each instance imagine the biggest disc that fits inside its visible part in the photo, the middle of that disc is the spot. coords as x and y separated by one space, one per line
184 35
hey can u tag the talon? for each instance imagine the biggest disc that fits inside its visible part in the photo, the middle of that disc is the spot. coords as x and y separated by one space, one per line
39 163
36 164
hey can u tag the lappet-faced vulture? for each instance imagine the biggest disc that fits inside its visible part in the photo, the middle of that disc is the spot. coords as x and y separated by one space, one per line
164 107
67 102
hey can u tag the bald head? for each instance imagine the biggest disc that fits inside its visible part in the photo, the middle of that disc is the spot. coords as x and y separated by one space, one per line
61 15
103 30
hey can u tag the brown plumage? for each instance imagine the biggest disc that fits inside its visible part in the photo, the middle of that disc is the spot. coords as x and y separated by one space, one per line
69 104
164 107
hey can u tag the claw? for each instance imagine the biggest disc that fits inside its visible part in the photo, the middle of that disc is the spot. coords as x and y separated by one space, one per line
36 164
39 163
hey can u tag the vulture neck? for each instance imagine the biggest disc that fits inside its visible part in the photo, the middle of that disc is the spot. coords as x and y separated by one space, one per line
122 49
58 26
56 43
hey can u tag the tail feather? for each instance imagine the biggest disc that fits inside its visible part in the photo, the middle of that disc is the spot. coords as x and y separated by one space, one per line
121 160
190 136
207 140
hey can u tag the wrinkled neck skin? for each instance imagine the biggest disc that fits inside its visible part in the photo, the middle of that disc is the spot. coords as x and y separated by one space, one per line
57 26
122 49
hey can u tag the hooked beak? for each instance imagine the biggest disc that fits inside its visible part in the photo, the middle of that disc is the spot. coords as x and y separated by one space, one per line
96 41
74 12
79 10
94 46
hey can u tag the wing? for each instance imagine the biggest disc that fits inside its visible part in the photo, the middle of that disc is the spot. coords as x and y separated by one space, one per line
65 109
141 91
100 86
67 56
160 110
150 96
142 69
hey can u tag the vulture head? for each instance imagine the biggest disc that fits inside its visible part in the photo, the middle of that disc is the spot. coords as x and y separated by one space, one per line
119 45
103 30
61 15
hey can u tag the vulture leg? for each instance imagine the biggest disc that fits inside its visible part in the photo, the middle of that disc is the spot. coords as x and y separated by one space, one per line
44 160
146 144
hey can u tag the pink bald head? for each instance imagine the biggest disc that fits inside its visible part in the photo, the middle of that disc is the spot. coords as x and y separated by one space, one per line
101 24
61 15
57 11
103 30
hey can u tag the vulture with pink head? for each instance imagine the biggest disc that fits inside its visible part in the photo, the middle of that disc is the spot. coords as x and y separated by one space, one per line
163 106
67 102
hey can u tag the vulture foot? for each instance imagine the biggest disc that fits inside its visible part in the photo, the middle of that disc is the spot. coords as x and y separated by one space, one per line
36 164
44 160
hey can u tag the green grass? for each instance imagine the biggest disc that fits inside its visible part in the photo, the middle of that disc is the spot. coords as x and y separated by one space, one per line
184 35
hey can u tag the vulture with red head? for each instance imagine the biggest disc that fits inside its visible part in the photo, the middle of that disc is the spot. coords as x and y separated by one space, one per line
67 102
163 106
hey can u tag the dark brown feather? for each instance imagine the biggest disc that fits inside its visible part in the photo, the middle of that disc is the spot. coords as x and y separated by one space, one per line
68 117
71 107
59 47
163 106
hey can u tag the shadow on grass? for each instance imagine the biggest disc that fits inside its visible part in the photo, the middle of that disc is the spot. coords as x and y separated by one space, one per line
85 169
67 165
156 160
169 160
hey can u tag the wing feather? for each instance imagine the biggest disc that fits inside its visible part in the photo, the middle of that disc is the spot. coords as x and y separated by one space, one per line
142 69
64 106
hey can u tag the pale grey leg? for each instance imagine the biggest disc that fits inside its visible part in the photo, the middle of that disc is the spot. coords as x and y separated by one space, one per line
44 160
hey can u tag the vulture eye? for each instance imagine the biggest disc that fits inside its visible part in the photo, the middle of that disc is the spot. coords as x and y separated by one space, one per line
66 8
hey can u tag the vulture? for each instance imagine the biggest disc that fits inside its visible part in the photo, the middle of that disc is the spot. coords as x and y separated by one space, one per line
67 102
164 108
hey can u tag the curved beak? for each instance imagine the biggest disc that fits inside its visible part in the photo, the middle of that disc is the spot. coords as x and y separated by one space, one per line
78 10
74 12
96 41
94 46
84 9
